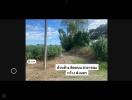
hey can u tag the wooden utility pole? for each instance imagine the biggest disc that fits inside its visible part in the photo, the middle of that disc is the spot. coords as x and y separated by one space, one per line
45 44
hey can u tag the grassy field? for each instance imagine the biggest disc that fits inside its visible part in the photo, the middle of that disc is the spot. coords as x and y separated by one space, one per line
37 73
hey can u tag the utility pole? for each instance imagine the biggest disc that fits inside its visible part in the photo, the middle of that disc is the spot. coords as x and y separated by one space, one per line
45 45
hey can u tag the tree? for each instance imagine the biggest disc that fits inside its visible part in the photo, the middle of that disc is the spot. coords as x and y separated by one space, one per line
66 40
81 39
74 25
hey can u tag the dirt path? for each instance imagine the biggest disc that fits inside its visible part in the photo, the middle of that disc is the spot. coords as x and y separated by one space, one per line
37 72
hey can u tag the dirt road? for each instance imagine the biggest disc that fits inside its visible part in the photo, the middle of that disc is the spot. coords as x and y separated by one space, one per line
36 72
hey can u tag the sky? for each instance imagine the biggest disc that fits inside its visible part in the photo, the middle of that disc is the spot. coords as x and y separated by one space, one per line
35 29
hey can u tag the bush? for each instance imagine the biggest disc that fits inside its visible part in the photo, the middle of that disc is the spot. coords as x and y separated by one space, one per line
81 39
100 48
66 41
34 52
29 55
53 50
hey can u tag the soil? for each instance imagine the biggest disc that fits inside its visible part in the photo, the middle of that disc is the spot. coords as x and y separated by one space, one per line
36 72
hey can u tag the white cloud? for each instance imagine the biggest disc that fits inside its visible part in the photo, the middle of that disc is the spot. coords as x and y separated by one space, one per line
34 28
52 32
35 37
94 23
34 32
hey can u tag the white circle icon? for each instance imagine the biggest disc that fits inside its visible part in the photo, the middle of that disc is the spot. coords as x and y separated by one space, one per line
13 70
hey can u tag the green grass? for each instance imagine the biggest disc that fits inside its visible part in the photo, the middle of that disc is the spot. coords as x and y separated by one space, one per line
102 65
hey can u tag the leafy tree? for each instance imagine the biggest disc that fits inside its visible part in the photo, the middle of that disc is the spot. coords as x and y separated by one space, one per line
81 39
66 40
74 25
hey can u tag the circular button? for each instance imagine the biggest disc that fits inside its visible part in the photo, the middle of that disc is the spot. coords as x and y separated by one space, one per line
13 70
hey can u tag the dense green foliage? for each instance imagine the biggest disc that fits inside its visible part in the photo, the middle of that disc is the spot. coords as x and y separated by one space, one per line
100 48
66 40
36 51
53 50
81 39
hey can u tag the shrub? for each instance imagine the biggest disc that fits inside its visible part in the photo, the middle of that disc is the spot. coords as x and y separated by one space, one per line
37 51
29 55
100 48
81 39
66 41
34 51
53 50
